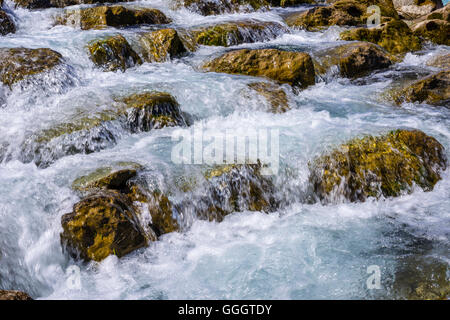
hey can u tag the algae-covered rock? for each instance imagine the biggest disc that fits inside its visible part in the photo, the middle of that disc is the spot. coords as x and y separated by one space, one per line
112 178
395 36
162 45
354 59
6 24
387 165
341 13
16 64
235 188
295 68
100 225
214 7
11 295
422 278
153 110
113 16
113 53
437 31
434 90
275 95
237 32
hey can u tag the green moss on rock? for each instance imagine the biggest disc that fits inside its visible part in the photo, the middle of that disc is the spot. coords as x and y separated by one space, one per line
354 59
113 16
386 166
6 24
113 53
295 68
162 45
16 64
395 36
434 89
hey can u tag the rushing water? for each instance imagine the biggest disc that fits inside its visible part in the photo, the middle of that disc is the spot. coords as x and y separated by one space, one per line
302 251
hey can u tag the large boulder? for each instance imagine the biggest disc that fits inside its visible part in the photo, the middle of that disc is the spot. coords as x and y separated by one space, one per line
11 295
16 64
412 9
387 165
395 36
354 59
435 27
294 68
162 45
341 13
213 7
6 24
434 90
113 53
100 225
113 16
237 32
102 130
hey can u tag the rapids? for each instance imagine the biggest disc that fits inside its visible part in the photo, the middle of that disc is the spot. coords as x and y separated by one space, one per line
302 251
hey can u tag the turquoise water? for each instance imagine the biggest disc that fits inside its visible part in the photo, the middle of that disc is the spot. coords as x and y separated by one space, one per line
302 251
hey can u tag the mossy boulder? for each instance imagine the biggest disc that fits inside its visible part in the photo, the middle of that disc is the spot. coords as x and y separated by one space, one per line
435 30
214 7
422 278
354 59
275 96
6 24
294 68
100 225
395 36
152 110
112 16
11 295
113 53
434 90
388 165
341 13
162 45
16 64
233 33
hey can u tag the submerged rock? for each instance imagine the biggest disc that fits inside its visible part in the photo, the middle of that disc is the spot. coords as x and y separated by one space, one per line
395 36
422 278
434 90
101 225
441 61
113 16
16 64
6 23
234 188
294 68
388 166
113 53
213 7
341 13
88 134
162 45
237 32
275 95
14 295
353 59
